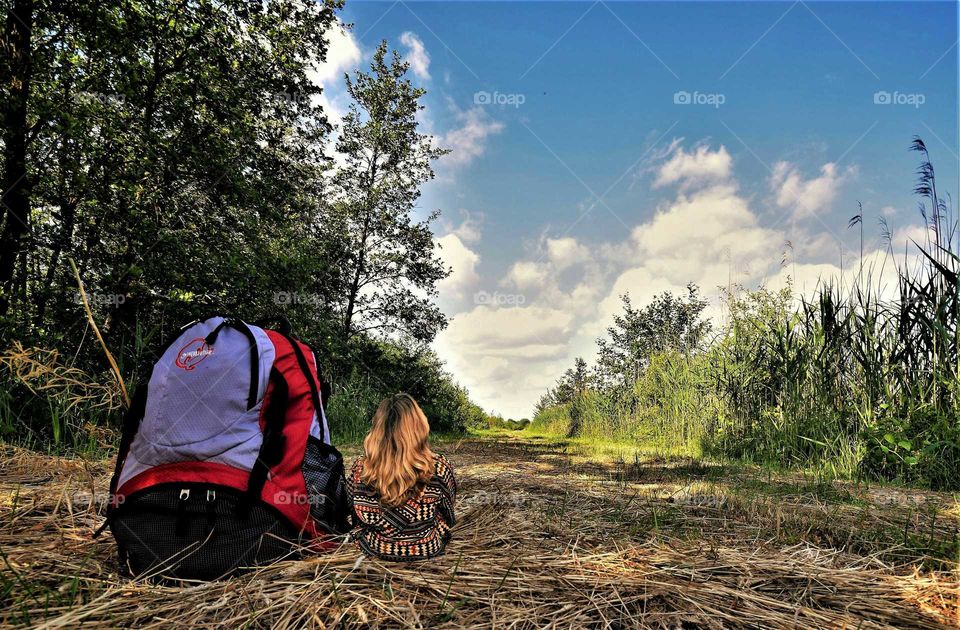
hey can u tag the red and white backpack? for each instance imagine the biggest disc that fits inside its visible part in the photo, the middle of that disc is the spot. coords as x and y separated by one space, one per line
225 460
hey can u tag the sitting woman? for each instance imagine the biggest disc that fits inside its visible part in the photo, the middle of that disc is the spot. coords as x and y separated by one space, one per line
402 494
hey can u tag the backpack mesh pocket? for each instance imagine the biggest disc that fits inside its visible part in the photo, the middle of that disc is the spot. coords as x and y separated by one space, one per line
326 486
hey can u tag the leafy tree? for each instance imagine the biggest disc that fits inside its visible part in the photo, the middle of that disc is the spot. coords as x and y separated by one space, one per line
389 262
164 141
669 322
547 400
574 381
176 151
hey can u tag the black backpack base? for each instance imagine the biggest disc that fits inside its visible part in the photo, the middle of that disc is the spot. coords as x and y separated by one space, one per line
198 532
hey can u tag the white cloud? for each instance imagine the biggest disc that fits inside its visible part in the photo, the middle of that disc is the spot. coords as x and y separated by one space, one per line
468 141
343 55
511 327
565 252
715 223
809 197
506 356
878 271
908 235
527 274
466 138
543 274
711 238
455 254
416 55
814 246
694 168
469 228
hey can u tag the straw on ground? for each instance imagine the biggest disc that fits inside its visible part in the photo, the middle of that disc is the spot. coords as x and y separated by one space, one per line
545 538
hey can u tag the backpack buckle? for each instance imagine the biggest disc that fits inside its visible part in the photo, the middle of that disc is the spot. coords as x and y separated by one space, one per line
184 494
211 495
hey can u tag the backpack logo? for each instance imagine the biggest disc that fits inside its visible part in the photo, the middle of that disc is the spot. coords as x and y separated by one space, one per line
193 353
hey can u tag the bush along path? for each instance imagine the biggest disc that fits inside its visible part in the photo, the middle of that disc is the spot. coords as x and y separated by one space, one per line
547 537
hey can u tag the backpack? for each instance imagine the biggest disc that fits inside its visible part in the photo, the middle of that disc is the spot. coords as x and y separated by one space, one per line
225 460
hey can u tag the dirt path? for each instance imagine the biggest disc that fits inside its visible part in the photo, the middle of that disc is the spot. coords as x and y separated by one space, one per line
545 538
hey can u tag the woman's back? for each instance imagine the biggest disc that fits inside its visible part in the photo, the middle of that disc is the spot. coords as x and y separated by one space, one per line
416 529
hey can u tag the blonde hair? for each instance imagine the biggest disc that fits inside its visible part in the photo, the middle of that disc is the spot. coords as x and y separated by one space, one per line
398 456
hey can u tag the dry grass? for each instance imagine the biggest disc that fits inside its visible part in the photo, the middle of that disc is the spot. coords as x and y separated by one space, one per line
543 540
45 372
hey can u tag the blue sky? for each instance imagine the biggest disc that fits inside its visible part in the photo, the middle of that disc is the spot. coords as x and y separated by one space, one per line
609 147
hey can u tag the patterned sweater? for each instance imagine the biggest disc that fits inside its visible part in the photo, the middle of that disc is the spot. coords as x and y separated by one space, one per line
416 530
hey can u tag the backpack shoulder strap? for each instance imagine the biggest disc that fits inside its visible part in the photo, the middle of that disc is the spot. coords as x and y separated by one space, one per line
274 441
237 324
311 381
131 424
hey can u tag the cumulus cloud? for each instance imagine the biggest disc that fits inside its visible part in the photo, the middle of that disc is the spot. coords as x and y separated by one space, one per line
533 325
468 140
706 233
509 348
454 248
877 270
694 168
715 223
526 274
463 263
416 55
565 252
543 274
507 355
469 227
710 237
806 197
343 55
907 235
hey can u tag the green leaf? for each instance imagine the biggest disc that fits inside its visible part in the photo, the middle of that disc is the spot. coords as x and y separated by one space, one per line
905 444
889 438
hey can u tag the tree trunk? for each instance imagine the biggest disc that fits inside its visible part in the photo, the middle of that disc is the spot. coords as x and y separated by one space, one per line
15 182
355 284
68 212
362 249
